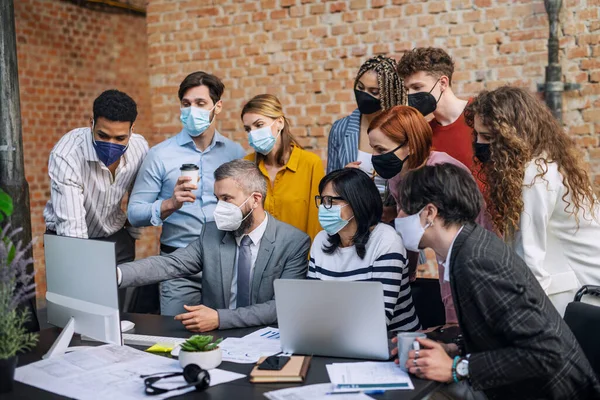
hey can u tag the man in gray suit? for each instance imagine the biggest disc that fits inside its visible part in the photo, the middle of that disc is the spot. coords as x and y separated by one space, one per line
240 255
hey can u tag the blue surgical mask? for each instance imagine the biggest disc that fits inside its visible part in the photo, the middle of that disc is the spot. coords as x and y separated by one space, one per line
195 120
331 219
262 140
108 152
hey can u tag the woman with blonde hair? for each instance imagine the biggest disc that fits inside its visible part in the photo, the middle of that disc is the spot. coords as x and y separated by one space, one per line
538 192
292 173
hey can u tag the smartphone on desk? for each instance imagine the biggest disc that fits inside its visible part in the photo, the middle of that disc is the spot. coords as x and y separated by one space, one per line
273 363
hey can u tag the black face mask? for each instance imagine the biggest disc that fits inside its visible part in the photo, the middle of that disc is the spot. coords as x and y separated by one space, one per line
367 104
482 152
424 102
388 165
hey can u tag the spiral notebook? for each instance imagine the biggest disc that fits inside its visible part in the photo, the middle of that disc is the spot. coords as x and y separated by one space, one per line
294 371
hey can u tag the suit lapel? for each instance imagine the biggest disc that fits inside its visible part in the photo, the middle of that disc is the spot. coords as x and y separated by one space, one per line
227 252
262 258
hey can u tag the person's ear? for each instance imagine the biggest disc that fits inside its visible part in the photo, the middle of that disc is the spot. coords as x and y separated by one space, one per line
257 200
132 128
92 123
444 82
218 107
431 212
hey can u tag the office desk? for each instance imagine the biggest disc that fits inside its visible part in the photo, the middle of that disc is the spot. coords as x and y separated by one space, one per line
239 389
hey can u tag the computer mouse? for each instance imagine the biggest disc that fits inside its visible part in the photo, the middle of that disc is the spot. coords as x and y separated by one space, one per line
126 326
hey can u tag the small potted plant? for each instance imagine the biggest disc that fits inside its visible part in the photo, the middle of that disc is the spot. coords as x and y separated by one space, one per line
16 287
202 351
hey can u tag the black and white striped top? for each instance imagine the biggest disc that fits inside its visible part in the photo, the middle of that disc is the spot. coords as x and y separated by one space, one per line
85 200
385 261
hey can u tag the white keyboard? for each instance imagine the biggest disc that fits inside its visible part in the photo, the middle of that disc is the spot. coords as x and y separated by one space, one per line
133 339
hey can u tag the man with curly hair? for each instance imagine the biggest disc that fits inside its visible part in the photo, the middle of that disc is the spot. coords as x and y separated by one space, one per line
427 74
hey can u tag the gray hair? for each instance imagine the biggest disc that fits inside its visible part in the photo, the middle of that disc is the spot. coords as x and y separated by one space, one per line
245 173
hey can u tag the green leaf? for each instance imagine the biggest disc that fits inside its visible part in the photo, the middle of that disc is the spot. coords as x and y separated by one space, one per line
6 205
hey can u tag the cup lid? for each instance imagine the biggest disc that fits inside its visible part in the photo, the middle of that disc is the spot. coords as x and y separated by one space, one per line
189 167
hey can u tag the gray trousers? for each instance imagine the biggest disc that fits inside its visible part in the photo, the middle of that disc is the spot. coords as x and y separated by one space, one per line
176 293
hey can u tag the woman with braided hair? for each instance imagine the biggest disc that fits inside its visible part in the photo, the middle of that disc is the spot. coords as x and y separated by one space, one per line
377 87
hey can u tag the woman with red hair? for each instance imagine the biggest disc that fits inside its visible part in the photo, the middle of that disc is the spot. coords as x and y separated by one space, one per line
401 141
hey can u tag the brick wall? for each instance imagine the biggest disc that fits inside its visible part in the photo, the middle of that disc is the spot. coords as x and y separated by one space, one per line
67 56
307 52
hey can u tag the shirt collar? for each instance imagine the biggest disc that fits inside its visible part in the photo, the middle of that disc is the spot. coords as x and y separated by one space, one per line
446 263
183 138
257 234
88 148
292 163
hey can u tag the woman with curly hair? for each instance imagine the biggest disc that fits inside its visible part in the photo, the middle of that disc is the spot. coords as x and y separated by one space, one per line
537 190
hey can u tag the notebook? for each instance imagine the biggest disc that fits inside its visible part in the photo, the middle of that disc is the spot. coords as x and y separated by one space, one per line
294 371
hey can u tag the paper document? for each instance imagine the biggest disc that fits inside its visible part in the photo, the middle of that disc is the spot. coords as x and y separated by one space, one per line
108 372
313 392
248 350
264 333
368 376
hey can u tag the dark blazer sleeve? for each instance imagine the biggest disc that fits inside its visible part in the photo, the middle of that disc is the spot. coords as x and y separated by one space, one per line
511 308
183 262
265 313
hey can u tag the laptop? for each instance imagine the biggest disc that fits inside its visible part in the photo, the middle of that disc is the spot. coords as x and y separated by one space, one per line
332 318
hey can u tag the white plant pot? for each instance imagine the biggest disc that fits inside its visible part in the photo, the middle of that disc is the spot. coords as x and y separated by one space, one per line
204 359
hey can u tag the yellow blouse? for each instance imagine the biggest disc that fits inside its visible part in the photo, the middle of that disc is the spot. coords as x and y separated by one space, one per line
291 198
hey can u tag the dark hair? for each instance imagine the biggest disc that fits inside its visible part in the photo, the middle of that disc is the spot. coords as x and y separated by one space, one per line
391 86
355 186
450 188
436 62
200 78
115 106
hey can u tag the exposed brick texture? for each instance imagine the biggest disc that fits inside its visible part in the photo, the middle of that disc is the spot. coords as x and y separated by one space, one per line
307 52
67 56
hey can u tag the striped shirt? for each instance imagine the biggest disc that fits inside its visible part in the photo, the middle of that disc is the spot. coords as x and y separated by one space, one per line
342 145
85 199
385 261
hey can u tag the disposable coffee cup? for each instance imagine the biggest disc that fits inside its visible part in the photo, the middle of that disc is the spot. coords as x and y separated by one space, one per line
190 170
407 341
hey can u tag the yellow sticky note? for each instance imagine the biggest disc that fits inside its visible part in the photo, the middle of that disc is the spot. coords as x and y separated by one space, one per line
160 348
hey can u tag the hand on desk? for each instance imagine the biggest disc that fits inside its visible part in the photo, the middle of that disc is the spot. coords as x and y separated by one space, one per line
433 362
199 318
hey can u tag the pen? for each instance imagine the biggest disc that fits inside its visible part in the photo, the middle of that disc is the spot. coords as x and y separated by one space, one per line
359 391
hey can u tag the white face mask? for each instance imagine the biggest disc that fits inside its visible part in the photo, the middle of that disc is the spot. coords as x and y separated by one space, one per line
411 231
228 216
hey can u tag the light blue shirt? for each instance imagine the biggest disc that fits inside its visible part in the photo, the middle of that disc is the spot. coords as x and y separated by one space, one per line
157 178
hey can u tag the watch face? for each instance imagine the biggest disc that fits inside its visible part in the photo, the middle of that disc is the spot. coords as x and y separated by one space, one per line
462 368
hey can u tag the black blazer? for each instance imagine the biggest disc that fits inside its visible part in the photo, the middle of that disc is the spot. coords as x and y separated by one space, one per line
519 346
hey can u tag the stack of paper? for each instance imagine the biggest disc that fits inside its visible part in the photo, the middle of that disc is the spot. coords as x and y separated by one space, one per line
247 350
313 392
108 372
367 376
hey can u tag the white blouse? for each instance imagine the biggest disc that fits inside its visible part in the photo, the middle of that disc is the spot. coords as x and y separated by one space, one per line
562 255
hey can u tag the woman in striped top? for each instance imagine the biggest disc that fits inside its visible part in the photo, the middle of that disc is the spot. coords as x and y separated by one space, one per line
356 246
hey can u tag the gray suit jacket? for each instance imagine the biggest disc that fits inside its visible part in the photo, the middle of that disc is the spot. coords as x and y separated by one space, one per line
283 253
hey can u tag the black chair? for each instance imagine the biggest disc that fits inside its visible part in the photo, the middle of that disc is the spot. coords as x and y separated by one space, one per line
428 302
584 321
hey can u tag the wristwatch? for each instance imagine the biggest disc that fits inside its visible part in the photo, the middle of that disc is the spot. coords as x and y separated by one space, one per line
462 369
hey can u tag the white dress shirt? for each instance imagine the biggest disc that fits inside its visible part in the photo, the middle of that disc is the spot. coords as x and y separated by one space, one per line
562 255
446 262
85 198
255 236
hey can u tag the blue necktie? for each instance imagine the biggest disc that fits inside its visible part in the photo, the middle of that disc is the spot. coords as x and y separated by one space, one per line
243 271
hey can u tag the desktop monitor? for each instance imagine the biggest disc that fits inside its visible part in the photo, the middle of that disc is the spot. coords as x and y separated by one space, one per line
82 294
